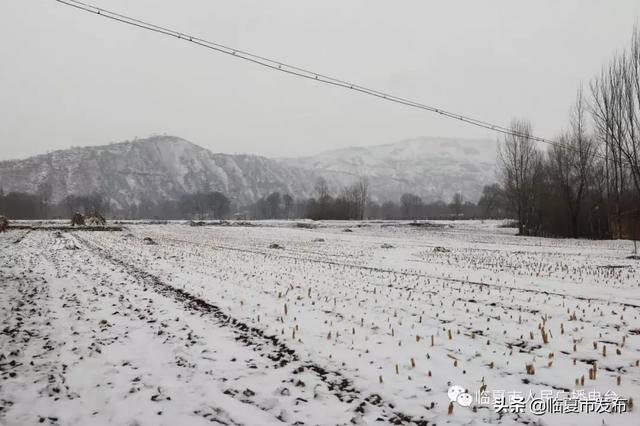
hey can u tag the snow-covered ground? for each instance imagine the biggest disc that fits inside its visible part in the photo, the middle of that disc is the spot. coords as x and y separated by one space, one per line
173 324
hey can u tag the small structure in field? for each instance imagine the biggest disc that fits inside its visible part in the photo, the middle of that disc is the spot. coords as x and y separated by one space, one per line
4 224
95 219
77 219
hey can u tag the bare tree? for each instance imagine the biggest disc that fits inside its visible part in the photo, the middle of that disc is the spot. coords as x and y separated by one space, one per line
411 206
615 109
520 164
288 202
361 197
571 164
491 203
631 145
45 192
605 111
323 198
321 189
456 204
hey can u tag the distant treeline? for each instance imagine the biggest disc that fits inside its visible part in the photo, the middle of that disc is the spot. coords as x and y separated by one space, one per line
16 205
352 203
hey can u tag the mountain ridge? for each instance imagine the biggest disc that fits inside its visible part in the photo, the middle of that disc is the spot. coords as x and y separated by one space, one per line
165 167
433 168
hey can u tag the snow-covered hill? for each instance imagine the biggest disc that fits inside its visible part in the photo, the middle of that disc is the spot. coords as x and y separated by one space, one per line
433 168
165 167
160 167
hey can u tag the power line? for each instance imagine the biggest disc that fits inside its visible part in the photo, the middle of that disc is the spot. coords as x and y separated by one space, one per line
304 73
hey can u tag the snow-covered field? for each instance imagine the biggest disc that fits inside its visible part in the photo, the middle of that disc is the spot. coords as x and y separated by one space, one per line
213 324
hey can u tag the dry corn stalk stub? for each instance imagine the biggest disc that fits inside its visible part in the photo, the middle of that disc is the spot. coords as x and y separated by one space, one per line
545 336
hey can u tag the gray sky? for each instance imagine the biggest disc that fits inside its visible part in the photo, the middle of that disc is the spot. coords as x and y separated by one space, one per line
68 78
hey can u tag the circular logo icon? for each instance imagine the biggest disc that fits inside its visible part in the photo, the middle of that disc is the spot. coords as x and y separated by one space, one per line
454 392
464 399
459 395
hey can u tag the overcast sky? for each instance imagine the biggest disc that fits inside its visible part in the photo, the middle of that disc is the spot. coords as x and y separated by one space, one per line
68 78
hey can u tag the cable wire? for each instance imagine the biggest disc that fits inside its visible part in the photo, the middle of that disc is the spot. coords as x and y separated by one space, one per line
305 73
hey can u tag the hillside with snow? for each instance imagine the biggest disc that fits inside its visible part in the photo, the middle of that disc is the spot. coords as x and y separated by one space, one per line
160 167
433 168
166 167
